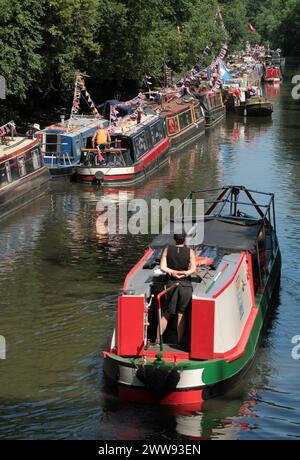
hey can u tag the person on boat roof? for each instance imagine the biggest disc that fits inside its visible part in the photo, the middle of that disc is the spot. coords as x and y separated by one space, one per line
179 263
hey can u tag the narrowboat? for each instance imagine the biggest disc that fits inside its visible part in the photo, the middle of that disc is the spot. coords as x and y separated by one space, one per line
62 142
239 265
253 106
136 150
23 175
213 105
184 116
273 75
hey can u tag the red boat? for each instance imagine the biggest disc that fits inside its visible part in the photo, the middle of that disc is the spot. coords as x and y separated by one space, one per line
273 75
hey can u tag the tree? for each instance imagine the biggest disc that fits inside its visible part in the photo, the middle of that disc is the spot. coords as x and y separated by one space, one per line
69 31
20 41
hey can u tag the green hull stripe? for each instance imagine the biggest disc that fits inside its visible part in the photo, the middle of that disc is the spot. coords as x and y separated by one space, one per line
218 370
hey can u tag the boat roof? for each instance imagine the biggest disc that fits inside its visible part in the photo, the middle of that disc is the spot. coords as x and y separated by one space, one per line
14 146
236 234
76 125
176 106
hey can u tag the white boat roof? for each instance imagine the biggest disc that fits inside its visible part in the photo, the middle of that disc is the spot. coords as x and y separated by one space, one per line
18 143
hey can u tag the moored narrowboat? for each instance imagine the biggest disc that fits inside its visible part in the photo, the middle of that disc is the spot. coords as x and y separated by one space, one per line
185 119
238 271
136 150
23 175
62 142
273 75
239 102
213 105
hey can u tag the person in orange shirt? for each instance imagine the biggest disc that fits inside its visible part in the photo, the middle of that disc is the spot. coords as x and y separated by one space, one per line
102 139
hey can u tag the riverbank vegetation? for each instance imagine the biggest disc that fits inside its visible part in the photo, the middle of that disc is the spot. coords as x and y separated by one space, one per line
115 42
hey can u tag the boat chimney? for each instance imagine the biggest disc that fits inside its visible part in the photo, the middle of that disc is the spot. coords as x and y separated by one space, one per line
62 119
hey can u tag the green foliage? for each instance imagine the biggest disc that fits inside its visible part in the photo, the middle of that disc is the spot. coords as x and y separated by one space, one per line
69 30
277 21
44 42
20 40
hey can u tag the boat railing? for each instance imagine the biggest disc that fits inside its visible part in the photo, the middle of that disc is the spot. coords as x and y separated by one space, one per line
229 196
115 156
56 156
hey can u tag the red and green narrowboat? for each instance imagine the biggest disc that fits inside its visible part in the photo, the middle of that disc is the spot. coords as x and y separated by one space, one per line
239 270
184 116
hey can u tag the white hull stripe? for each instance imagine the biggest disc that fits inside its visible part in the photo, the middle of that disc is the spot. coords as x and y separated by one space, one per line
188 378
106 171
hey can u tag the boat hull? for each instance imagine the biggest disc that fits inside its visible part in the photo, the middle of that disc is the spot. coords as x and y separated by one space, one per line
125 175
214 116
197 380
186 137
263 109
272 80
62 171
21 192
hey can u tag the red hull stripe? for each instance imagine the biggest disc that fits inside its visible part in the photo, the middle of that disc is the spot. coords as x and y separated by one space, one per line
231 279
136 267
119 177
150 397
153 154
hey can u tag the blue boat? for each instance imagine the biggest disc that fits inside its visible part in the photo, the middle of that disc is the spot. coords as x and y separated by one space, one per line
62 143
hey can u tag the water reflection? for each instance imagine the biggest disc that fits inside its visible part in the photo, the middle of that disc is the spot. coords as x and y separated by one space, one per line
59 280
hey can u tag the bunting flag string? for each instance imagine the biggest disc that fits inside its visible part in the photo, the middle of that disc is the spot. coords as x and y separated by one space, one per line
168 75
194 72
80 90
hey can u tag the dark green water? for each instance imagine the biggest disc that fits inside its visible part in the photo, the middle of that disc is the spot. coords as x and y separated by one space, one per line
57 294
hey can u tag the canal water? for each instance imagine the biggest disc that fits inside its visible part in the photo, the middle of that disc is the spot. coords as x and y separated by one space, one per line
58 286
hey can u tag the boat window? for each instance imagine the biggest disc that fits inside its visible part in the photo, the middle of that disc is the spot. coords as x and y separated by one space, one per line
78 148
3 175
22 166
14 169
198 111
51 144
8 171
173 125
156 133
207 103
36 159
141 145
185 119
28 162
